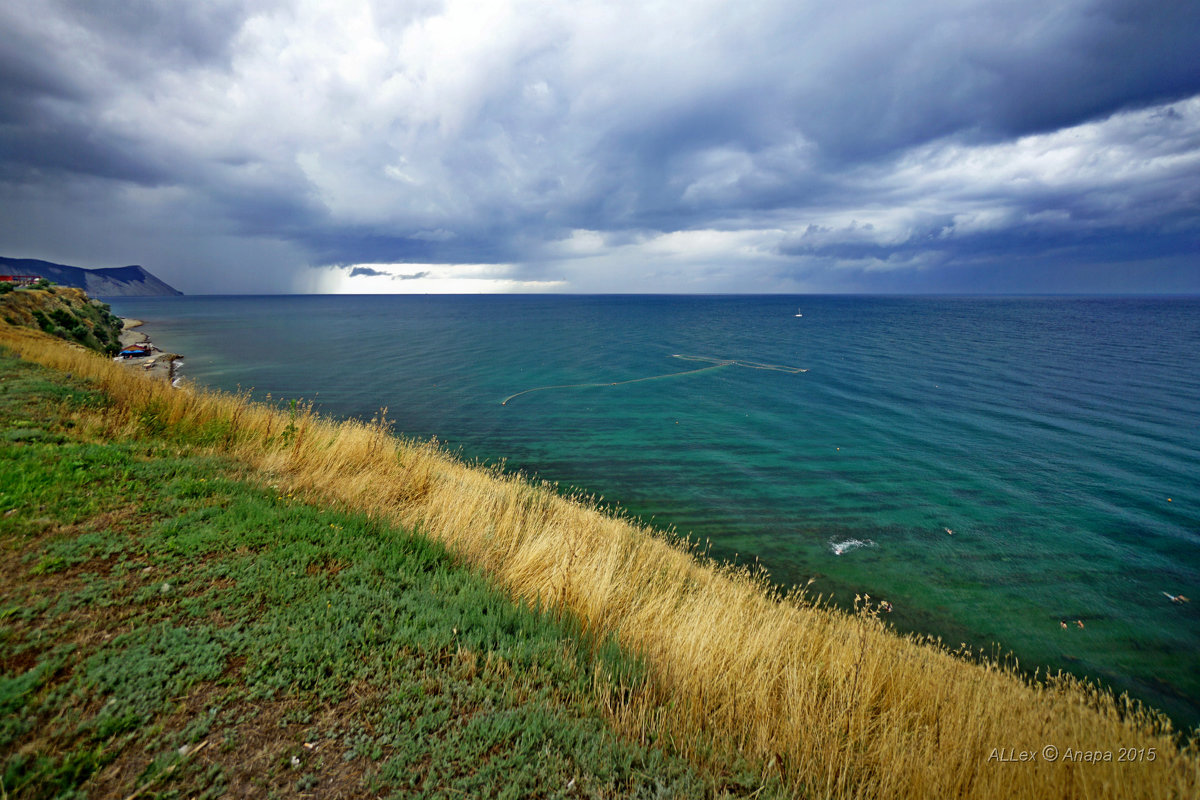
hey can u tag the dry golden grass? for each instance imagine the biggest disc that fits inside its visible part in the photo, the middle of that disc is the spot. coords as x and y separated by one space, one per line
835 703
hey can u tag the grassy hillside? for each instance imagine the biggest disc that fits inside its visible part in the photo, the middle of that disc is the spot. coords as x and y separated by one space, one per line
63 312
819 702
174 627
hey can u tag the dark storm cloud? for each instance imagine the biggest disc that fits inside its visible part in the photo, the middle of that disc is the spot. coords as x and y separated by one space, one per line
58 147
772 146
1130 53
53 86
23 81
358 272
995 71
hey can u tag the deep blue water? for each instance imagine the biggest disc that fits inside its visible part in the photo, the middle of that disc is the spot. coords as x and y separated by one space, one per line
1058 438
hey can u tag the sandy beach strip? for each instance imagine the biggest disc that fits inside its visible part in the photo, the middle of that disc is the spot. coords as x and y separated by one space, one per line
158 364
129 335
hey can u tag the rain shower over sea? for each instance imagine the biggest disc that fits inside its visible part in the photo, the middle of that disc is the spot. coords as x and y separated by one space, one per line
993 467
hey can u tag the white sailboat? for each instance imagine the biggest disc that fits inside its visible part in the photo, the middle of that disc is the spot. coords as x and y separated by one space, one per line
798 314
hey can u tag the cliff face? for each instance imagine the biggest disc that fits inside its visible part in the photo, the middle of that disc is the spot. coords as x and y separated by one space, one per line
131 281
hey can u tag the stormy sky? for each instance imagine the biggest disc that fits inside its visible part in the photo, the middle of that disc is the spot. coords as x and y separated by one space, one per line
610 146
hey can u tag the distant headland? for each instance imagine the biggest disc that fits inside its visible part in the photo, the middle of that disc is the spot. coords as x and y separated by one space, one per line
132 281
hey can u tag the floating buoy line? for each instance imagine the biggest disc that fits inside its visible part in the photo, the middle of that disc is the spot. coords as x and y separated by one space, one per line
713 363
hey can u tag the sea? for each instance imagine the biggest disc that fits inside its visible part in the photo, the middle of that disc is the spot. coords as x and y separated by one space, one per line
993 467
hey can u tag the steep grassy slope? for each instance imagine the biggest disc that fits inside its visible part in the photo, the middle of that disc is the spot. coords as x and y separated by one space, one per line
824 703
172 628
64 312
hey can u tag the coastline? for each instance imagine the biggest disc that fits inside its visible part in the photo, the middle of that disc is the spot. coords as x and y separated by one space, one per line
818 697
159 364
976 592
130 334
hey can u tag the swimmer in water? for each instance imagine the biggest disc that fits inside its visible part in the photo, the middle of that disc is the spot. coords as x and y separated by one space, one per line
1176 598
1079 623
1062 624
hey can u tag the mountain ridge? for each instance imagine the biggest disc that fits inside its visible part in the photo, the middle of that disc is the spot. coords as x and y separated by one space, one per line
130 281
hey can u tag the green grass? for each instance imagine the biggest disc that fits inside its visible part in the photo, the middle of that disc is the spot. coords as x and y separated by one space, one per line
172 625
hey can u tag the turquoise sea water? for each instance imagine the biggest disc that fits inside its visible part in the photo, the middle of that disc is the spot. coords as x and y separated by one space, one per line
1058 438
